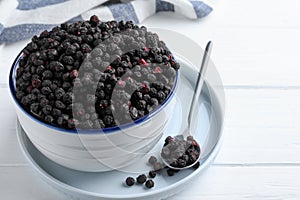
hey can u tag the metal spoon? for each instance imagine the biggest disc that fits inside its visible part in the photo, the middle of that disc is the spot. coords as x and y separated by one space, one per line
194 104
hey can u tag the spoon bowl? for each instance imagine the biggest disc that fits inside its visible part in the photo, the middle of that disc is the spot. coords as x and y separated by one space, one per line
181 139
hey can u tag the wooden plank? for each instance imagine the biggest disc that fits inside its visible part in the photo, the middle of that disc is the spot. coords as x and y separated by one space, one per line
217 183
6 7
10 152
245 183
23 182
258 57
267 13
262 126
262 56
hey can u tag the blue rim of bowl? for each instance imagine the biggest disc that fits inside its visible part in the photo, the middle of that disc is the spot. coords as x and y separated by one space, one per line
88 131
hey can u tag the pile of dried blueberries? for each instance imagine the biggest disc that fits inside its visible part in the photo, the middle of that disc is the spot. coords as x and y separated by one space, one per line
179 153
141 179
93 74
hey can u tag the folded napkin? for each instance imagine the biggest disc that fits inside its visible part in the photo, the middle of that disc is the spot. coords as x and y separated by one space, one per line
33 16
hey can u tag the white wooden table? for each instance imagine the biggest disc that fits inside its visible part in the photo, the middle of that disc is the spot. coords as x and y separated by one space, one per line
256 50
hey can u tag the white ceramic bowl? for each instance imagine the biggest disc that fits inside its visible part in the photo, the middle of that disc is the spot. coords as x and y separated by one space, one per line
100 145
100 140
99 154
93 145
94 164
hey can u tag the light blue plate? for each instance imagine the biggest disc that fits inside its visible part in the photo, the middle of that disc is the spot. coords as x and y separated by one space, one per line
110 185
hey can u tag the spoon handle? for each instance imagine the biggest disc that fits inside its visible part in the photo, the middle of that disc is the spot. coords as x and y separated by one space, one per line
199 83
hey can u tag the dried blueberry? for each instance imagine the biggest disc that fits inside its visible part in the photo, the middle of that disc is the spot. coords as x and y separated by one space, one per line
49 119
59 93
152 160
141 179
68 60
196 166
60 105
47 74
152 174
46 90
108 120
47 109
130 181
52 54
133 113
149 184
170 172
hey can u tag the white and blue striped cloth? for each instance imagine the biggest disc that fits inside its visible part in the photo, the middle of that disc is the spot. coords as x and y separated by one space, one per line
33 16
